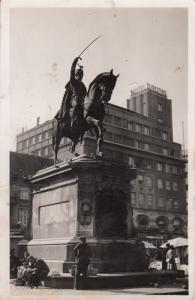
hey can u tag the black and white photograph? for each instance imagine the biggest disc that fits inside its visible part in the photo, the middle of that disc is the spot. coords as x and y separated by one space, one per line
97 143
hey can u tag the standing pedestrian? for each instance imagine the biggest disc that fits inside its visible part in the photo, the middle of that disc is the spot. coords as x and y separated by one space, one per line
173 261
164 253
82 253
170 259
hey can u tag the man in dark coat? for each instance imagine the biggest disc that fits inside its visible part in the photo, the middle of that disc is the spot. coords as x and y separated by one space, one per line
82 253
72 103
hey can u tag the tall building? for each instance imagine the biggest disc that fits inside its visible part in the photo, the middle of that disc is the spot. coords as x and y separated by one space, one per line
141 135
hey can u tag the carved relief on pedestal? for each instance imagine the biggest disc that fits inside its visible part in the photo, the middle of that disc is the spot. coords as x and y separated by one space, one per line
85 212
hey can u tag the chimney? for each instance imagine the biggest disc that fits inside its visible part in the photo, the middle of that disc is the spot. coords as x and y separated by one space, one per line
38 120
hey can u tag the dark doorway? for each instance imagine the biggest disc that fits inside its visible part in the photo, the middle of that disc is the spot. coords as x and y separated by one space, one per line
111 214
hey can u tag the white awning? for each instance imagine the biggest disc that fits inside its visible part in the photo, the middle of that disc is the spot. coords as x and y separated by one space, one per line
177 242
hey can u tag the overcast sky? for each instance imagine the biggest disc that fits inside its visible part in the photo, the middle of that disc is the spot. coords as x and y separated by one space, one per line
142 44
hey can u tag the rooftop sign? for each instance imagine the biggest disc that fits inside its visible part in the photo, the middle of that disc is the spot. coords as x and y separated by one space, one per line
150 87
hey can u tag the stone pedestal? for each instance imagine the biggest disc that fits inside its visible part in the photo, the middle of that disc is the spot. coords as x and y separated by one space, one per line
84 196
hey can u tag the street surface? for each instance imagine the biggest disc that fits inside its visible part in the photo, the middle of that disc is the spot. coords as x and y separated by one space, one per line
45 293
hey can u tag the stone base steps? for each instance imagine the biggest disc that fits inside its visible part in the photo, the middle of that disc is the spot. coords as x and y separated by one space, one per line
114 280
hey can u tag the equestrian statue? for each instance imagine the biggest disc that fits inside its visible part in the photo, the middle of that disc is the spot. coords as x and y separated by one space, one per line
82 109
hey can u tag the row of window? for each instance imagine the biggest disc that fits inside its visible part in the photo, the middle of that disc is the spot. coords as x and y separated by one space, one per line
161 184
142 199
137 127
143 163
21 192
168 185
170 203
43 152
167 168
152 165
143 180
35 139
147 200
139 144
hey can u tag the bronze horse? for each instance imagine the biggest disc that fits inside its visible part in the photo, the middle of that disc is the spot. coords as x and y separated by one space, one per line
99 92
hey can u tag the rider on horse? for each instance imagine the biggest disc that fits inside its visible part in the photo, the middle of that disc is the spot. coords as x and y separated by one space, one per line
72 103
82 110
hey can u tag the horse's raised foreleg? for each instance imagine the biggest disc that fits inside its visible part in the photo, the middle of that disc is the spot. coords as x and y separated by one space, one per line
99 143
98 126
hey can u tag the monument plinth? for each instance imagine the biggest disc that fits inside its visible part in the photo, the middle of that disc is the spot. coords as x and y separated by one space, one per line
84 196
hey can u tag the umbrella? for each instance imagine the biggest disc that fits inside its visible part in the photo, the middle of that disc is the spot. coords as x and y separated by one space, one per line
148 245
177 242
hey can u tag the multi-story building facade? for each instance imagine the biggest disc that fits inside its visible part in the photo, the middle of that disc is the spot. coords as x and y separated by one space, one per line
36 141
141 135
22 167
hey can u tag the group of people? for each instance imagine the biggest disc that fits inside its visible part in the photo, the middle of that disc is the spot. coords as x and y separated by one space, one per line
165 255
32 271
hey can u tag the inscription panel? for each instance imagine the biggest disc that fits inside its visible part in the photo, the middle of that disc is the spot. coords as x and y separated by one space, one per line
54 213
